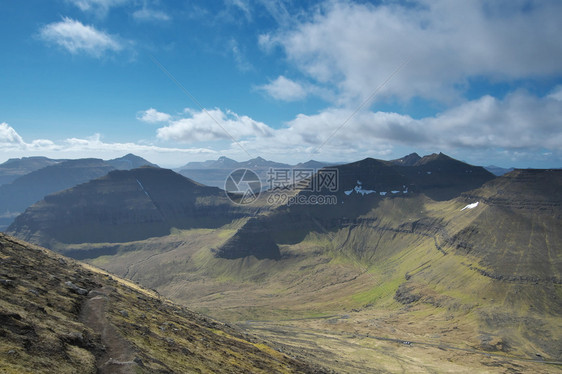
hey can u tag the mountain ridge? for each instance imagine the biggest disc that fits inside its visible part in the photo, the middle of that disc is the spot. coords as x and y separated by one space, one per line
29 188
125 205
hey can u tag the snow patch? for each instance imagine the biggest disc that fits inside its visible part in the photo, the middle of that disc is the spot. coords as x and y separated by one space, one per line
470 206
142 188
359 190
428 172
363 192
382 193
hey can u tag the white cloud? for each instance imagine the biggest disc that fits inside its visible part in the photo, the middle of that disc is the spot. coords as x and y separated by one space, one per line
520 121
9 136
284 89
153 116
355 47
99 7
77 37
212 125
146 14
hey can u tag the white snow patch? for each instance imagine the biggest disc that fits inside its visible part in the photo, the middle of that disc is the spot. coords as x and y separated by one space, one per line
363 192
470 206
142 188
428 172
359 190
382 193
394 191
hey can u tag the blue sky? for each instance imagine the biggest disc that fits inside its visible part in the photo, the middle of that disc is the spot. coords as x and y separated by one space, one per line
338 80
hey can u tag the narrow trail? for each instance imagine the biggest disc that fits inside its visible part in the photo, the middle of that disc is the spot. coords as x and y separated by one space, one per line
119 356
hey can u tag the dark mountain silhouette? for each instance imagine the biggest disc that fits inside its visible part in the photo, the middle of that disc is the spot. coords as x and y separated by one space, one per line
125 205
221 163
16 167
32 187
442 178
129 161
408 160
313 164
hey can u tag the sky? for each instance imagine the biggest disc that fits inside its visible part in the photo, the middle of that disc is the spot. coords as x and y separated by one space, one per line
290 81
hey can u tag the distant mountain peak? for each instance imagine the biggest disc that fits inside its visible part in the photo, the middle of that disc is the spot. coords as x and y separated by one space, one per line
435 157
129 161
408 160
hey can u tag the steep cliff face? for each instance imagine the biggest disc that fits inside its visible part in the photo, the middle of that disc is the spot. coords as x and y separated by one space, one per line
125 206
253 239
523 189
517 229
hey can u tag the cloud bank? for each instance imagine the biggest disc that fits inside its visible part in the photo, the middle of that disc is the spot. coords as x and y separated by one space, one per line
351 48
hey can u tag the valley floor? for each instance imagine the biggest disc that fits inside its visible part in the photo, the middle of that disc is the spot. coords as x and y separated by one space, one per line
337 313
346 345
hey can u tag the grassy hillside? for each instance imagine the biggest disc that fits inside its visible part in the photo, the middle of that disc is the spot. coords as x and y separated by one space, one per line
61 316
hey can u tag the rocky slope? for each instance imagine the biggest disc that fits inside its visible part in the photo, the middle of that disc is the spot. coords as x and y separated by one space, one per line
58 315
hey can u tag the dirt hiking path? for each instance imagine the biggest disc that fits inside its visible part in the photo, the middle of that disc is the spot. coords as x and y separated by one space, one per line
119 355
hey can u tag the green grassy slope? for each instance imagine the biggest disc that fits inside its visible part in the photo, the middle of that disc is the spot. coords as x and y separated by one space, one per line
62 316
